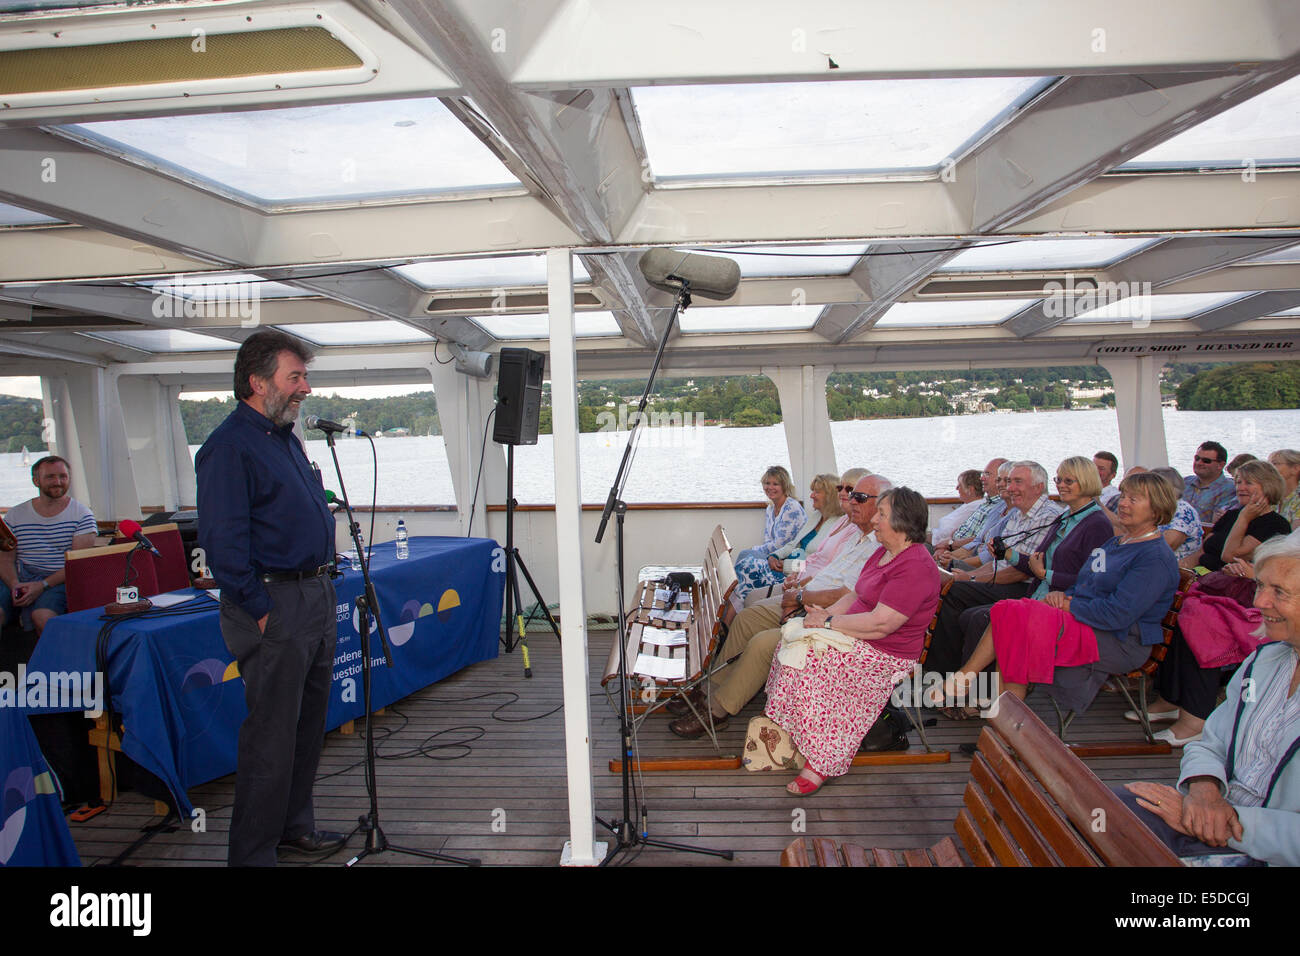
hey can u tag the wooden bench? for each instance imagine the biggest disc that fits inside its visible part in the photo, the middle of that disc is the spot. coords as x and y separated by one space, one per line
1041 806
714 583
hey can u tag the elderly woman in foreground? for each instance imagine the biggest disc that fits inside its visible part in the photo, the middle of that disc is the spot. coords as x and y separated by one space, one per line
1239 785
1105 624
829 704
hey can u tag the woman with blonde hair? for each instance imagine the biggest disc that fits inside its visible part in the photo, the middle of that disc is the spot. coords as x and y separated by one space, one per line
754 572
1287 463
783 519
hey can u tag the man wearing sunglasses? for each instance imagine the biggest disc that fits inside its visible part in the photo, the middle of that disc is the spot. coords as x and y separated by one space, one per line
1207 488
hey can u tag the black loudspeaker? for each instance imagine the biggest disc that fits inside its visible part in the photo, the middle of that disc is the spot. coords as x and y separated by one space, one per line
519 396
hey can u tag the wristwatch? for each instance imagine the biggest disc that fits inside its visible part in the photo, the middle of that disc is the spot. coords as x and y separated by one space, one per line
829 618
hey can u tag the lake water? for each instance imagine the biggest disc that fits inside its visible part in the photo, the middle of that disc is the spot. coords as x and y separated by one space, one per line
712 463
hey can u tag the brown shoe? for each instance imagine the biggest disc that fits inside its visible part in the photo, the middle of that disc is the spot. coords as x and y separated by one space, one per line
691 726
678 706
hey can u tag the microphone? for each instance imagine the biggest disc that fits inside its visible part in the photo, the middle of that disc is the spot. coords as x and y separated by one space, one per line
713 277
329 427
131 530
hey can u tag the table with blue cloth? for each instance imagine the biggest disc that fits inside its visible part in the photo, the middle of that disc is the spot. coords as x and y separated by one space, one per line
33 830
178 690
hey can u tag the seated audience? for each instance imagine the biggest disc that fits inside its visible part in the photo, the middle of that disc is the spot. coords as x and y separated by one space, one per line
754 572
754 634
783 518
1105 624
973 553
46 526
1207 488
1287 463
990 507
828 704
1239 784
1186 691
1238 461
1107 467
970 489
1030 517
1236 534
1184 532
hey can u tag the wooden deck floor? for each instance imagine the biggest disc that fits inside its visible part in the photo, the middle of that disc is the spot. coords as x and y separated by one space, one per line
454 779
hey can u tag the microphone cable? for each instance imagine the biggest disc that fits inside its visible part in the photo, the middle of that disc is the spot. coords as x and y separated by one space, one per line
479 477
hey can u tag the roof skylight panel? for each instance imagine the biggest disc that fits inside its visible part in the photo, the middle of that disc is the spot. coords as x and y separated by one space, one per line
1262 131
377 332
536 325
312 154
499 272
764 262
749 318
165 340
17 216
853 127
950 313
221 286
1152 307
1027 255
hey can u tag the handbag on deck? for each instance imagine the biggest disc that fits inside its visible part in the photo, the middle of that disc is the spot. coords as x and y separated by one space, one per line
768 747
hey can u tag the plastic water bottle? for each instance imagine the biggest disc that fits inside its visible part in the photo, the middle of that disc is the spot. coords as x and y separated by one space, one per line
403 547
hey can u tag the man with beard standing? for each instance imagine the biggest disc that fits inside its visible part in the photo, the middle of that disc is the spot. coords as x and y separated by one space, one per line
269 541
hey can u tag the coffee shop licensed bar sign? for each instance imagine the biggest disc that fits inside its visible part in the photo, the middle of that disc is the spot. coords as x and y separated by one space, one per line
1198 347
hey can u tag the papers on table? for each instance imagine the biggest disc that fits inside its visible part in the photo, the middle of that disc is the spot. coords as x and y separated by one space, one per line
671 617
170 599
663 594
665 668
661 638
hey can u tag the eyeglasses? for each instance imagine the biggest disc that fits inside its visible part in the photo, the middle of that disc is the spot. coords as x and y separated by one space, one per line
861 497
1205 461
1066 481
844 488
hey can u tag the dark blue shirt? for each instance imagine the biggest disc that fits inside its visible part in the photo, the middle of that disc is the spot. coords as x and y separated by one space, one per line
261 507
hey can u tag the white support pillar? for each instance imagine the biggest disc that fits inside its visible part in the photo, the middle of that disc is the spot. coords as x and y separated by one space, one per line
1137 406
581 850
88 429
463 406
177 458
802 392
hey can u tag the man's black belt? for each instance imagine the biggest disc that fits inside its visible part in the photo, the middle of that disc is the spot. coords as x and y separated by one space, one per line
275 577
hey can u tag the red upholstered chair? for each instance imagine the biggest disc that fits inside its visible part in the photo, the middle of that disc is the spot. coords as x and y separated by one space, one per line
94 575
172 572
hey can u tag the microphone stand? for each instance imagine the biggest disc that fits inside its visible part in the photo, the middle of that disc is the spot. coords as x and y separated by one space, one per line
628 836
368 601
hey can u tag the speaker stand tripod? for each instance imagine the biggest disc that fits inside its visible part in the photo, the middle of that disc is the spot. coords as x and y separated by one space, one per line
514 565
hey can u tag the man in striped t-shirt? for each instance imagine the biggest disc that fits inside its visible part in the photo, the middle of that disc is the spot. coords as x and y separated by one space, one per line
46 527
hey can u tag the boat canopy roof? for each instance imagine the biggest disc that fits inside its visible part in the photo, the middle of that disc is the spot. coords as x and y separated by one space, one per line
995 185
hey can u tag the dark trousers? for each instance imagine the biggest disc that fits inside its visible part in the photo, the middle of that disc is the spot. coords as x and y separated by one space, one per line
949 637
1183 681
287 675
1180 843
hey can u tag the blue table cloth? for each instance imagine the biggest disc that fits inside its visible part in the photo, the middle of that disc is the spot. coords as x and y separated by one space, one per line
33 830
178 689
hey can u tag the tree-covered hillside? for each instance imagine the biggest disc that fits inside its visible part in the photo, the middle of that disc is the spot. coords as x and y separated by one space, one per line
1259 385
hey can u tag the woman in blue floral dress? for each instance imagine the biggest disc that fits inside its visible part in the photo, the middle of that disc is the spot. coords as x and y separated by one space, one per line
785 516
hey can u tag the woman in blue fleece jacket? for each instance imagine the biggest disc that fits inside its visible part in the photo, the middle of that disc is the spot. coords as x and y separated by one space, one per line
1239 785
